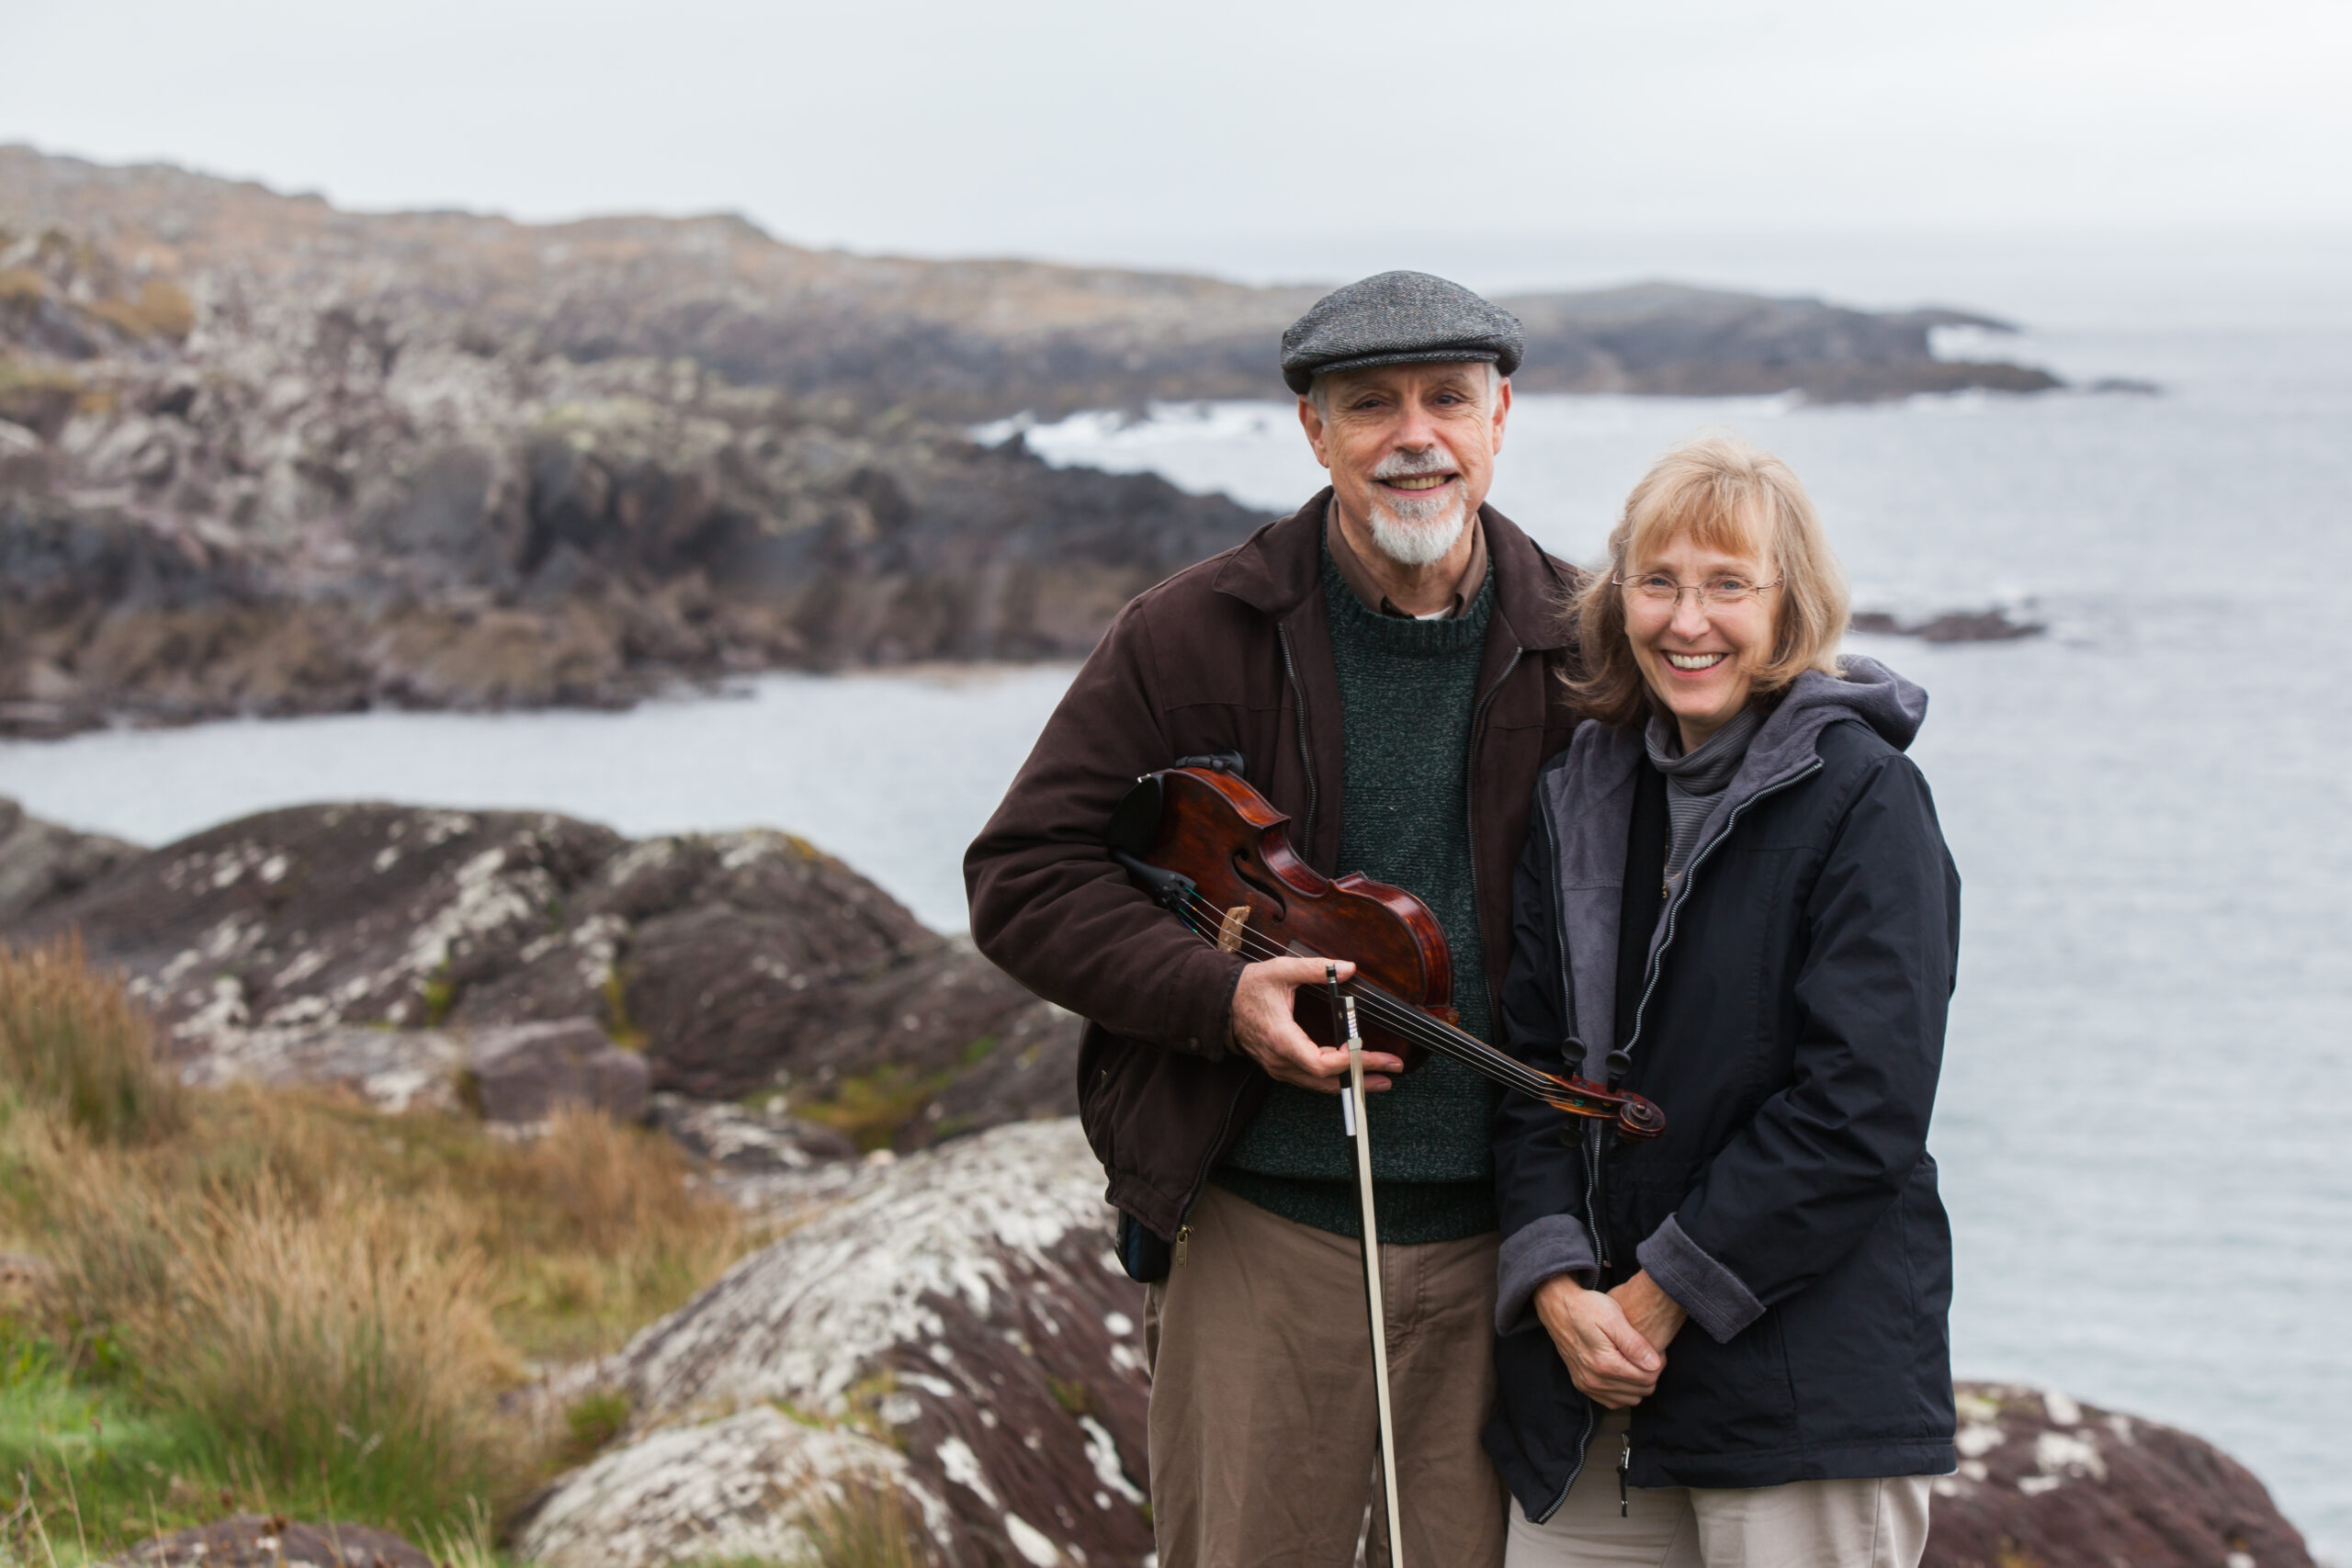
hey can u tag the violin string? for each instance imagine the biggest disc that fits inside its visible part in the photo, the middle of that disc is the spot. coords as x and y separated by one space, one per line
1400 1017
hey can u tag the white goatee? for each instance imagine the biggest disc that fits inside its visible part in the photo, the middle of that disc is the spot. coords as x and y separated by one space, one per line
1419 532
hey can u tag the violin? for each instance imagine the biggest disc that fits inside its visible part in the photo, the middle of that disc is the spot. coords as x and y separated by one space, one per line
1216 854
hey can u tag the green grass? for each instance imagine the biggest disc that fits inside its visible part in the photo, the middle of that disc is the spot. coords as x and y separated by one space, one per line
99 1465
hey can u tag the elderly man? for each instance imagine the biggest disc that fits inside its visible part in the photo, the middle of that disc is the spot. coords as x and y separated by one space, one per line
1381 662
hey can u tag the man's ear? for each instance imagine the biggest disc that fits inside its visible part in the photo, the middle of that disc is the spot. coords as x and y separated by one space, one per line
1312 422
1502 410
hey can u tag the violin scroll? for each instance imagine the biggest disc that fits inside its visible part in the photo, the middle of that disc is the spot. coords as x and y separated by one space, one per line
1635 1117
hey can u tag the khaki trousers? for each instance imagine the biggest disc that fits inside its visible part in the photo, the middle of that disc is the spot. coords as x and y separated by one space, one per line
1264 1433
1804 1524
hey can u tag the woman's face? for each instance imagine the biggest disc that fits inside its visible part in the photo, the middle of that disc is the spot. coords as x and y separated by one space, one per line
1700 658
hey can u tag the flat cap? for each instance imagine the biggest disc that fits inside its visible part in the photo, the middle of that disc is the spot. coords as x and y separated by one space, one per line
1398 318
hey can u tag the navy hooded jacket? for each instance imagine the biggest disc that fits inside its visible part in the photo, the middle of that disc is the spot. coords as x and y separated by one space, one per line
1789 1020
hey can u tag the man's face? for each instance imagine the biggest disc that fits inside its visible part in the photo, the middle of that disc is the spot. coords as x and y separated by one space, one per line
1411 450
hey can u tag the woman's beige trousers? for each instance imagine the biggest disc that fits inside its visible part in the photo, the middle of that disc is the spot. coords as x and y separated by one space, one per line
1805 1524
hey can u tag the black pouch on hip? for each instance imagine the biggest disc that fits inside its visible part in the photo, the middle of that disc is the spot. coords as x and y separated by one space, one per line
1144 1256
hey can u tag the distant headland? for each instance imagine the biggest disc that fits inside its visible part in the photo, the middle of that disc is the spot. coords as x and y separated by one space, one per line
259 455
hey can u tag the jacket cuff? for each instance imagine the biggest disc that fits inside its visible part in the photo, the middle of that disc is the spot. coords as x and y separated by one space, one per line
1556 1244
1209 1033
1714 1297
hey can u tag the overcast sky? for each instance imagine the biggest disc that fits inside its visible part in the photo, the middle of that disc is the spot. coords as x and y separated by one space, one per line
1867 145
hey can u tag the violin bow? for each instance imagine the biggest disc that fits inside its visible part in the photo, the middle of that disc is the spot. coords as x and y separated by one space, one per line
1355 1118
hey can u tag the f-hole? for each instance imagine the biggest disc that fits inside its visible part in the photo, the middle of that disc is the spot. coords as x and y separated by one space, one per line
1247 870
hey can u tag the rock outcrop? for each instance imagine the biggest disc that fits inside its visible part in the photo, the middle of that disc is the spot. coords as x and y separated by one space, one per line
521 958
1995 625
2047 1482
260 456
959 1328
524 1073
41 862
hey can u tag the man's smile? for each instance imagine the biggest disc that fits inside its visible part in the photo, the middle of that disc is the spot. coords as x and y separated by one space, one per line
1419 481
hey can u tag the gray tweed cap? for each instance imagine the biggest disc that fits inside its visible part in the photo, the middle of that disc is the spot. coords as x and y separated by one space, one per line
1398 318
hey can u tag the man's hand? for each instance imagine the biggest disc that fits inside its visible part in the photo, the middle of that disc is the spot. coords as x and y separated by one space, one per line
1262 1026
1608 1360
1655 1316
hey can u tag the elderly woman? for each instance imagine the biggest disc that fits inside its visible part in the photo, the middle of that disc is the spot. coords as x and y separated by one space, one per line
1728 1346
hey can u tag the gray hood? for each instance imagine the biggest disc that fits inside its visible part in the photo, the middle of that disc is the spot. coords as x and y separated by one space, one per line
1587 799
1870 692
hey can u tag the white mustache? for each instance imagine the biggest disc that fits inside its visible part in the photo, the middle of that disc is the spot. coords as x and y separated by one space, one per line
1407 465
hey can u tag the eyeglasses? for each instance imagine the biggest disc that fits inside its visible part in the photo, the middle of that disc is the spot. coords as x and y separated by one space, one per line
1658 589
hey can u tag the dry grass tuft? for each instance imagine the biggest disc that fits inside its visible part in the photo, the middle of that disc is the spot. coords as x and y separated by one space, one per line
868 1526
70 1040
331 1300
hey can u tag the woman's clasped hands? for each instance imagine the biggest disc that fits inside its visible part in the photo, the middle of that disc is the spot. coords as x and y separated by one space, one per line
1613 1341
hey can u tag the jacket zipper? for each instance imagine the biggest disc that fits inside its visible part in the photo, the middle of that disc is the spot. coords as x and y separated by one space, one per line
1691 880
1470 805
1560 926
1588 1139
1306 755
1201 1180
1584 1440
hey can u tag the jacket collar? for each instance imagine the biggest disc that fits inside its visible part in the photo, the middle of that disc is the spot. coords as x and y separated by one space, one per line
1279 566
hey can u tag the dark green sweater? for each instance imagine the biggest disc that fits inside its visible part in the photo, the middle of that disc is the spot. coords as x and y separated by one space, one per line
1407 688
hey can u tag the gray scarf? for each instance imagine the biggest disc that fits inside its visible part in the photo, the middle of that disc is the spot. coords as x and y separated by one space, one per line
1693 781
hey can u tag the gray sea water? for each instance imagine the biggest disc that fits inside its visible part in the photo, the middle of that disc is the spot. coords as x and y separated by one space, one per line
2147 1102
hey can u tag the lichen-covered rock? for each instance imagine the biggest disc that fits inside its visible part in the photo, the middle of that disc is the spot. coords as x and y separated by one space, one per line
2047 1482
525 1072
966 1305
393 1069
276 1542
273 948
770 1163
749 1486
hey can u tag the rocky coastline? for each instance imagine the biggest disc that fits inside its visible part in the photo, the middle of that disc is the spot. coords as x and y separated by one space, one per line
259 455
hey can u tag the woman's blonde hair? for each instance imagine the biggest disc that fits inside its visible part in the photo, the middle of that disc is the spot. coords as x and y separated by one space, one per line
1726 495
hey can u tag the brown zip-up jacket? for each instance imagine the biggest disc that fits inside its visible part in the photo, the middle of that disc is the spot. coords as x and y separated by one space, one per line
1231 655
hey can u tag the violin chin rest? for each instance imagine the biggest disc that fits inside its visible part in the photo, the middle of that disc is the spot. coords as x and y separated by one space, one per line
1135 821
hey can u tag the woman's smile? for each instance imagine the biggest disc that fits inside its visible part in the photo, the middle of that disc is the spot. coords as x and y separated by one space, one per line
1694 663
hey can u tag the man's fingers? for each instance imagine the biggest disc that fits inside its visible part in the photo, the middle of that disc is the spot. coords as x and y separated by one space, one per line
1307 971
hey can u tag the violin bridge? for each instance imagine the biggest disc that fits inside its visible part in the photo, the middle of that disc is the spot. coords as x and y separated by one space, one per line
1228 934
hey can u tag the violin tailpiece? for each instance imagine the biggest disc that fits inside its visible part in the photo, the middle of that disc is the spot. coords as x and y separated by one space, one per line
1228 934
